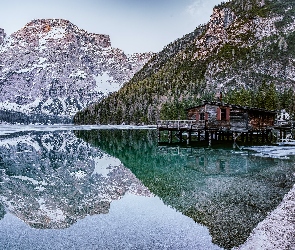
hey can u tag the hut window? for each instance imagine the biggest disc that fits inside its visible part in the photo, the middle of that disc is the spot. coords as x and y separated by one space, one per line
223 114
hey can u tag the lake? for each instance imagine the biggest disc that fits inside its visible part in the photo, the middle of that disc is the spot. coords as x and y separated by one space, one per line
91 187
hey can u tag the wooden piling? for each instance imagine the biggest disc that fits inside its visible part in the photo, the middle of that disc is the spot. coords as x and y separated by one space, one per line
170 136
188 139
180 136
212 134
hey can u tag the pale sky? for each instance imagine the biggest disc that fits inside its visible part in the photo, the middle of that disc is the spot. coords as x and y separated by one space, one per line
133 25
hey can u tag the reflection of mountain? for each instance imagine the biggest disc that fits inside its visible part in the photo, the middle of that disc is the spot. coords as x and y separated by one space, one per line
227 191
50 180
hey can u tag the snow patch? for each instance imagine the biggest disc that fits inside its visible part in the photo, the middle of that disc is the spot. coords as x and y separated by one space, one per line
46 142
40 188
7 105
54 33
79 174
103 166
27 109
78 73
25 70
33 181
106 83
55 215
34 66
7 44
42 60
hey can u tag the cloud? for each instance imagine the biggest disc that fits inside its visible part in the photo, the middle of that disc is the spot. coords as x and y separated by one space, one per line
200 10
195 8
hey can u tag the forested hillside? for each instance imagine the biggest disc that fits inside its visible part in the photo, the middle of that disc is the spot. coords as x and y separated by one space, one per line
246 51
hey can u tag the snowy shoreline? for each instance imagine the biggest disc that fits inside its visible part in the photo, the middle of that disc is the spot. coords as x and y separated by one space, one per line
6 129
277 230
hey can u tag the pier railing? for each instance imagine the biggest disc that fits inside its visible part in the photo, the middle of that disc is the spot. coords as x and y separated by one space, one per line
180 124
210 125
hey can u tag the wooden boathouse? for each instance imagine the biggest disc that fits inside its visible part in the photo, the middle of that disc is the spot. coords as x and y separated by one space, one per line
218 121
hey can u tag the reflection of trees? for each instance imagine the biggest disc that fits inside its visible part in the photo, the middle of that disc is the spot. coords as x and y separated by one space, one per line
229 193
50 180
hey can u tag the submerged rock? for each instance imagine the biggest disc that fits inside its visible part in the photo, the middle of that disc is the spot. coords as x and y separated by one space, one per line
277 230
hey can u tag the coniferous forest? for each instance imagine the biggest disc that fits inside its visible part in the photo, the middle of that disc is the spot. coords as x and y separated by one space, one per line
246 51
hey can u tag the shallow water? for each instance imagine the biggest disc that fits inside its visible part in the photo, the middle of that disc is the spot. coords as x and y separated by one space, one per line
89 187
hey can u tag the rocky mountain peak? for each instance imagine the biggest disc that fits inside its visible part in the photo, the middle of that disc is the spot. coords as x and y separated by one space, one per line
58 29
45 25
41 27
51 67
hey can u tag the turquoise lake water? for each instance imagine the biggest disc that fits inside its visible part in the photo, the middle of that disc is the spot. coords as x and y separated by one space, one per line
67 187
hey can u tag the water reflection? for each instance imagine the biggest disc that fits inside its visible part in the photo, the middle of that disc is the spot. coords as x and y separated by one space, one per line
228 191
213 161
53 179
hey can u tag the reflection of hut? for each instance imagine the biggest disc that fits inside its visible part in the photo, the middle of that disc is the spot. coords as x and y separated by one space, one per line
219 161
234 117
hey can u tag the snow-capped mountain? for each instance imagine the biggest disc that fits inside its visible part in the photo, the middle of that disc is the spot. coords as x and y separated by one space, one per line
51 67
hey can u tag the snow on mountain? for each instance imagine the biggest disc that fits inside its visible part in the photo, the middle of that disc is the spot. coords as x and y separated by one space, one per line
51 67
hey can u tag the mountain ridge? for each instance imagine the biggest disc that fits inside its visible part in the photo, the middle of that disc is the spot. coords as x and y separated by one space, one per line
50 67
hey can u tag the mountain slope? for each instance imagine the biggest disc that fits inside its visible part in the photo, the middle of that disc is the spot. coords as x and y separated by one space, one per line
52 68
246 48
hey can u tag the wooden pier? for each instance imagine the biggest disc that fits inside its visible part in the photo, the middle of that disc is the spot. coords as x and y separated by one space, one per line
222 122
190 131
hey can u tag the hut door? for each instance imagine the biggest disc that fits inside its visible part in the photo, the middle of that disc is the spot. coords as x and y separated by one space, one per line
223 114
